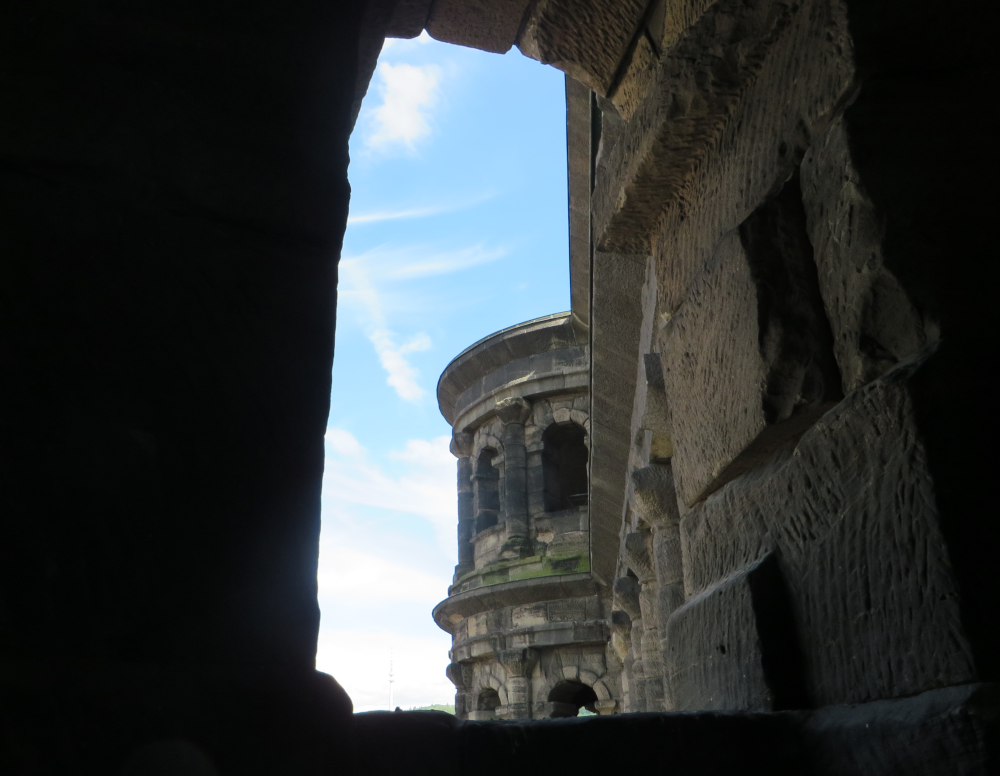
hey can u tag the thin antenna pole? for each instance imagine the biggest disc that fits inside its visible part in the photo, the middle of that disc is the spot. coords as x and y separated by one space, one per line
392 705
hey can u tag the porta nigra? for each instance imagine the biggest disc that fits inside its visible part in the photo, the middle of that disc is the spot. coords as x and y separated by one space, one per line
737 502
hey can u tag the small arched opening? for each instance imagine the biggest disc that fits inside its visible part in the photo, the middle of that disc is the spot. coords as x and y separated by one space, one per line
569 696
486 490
489 699
564 466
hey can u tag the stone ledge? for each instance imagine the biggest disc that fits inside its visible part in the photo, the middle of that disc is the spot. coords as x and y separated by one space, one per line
532 567
539 335
522 591
554 634
944 732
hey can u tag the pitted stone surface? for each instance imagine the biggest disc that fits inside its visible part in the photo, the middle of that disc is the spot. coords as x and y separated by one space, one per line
408 18
490 25
695 90
586 39
876 323
852 514
749 356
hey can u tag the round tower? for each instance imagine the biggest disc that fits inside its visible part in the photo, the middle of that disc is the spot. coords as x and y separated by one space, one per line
529 622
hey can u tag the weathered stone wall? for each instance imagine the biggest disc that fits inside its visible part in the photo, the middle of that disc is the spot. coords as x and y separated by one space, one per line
174 187
793 533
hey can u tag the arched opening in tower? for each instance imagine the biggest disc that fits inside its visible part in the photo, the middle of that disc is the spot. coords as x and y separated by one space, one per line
486 487
569 696
489 699
564 465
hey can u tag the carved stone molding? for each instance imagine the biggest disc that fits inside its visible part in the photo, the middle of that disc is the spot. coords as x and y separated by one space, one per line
517 662
461 444
654 496
513 410
638 555
627 595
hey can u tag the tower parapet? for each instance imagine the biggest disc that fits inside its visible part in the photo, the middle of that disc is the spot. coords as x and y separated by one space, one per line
529 621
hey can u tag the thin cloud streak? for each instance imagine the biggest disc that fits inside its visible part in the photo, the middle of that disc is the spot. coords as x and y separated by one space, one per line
420 212
427 490
357 577
402 375
417 212
363 279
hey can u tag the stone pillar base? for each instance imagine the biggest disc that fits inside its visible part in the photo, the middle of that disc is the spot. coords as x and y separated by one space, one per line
605 707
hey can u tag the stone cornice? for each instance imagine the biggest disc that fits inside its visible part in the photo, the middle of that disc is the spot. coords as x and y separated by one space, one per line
473 377
522 591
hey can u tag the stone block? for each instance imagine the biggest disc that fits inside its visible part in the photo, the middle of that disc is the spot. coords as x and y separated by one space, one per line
490 26
527 616
853 513
654 495
875 322
667 556
638 554
637 78
694 90
748 361
476 625
408 18
567 611
648 596
526 570
533 437
568 543
595 609
627 596
586 39
669 598
714 650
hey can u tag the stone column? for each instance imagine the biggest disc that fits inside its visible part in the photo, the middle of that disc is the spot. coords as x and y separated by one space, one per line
655 501
645 638
461 448
606 707
518 664
626 623
513 412
461 676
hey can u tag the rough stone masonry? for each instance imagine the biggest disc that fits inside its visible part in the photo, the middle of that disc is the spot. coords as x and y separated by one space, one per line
781 220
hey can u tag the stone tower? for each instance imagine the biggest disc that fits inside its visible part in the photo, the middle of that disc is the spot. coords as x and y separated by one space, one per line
529 621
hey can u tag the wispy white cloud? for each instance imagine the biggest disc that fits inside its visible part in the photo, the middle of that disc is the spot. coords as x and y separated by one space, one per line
352 575
363 281
408 94
402 375
426 489
374 573
415 212
444 263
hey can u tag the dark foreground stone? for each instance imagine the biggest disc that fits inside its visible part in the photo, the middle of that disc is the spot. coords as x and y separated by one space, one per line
950 731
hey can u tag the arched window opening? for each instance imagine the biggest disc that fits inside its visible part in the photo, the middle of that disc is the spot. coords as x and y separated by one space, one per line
486 488
569 696
489 699
564 466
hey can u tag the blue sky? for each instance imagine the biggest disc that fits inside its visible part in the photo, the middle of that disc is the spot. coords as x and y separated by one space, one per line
458 228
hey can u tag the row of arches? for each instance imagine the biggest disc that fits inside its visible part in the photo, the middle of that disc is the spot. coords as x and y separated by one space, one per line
564 474
568 697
